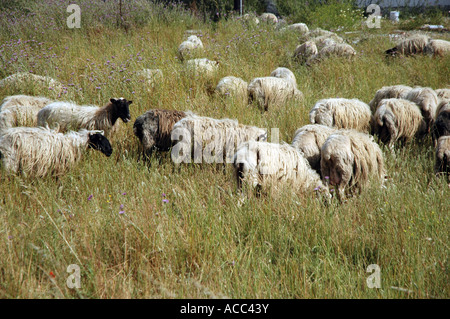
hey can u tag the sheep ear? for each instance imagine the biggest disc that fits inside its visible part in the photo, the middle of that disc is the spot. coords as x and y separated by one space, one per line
129 102
112 100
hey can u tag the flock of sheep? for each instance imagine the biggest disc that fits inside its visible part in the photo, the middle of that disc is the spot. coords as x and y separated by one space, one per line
336 151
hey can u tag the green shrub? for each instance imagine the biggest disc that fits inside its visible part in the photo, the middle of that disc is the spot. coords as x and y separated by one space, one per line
337 14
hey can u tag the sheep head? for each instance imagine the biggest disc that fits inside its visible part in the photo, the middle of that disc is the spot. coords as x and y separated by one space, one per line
337 161
122 108
99 142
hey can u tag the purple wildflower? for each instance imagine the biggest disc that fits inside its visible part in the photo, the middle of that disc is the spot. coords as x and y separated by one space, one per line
90 197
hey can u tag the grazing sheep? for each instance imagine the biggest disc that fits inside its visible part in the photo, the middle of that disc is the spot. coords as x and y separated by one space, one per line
23 79
309 140
268 18
193 32
153 129
427 100
250 18
398 119
233 87
304 51
413 45
317 32
350 160
284 73
335 49
389 92
38 151
202 67
437 48
326 40
70 116
300 28
190 46
342 114
441 125
150 76
21 110
443 94
442 164
203 136
266 165
272 91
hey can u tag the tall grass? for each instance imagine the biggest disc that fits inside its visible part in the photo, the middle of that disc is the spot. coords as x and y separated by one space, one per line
149 229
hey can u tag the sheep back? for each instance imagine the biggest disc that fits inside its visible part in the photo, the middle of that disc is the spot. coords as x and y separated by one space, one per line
389 92
397 119
342 114
269 165
37 151
350 159
309 140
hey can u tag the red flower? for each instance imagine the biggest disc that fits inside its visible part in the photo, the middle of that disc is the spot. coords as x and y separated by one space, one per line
52 274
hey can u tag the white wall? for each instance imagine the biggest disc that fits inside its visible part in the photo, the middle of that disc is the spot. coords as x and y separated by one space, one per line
403 3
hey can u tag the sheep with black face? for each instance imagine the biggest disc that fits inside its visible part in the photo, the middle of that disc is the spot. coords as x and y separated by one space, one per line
38 151
68 115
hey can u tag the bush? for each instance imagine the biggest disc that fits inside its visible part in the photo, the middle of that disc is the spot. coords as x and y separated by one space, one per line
337 14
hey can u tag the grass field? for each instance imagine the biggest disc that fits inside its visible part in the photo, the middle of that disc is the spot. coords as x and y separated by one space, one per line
107 215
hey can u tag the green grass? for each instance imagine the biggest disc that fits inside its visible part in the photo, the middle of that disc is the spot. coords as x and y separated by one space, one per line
202 244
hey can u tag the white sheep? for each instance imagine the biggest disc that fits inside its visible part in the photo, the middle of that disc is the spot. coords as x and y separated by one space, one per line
234 87
443 94
23 79
70 116
413 45
342 114
335 49
268 18
437 47
284 73
202 67
442 161
389 92
398 119
21 110
317 32
427 100
326 40
350 160
150 76
210 140
309 140
274 167
299 28
250 19
272 91
189 47
38 151
303 51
